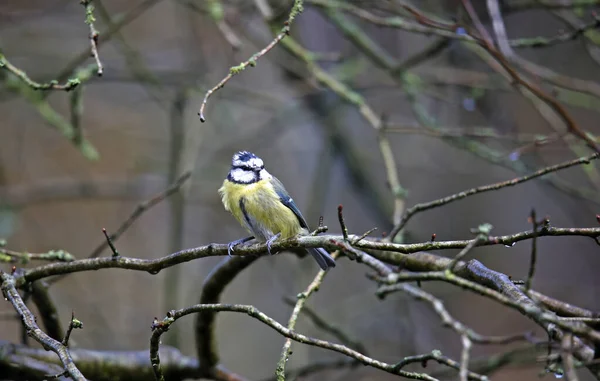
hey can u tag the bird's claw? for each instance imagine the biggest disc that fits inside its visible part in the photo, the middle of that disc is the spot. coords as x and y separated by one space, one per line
270 242
230 247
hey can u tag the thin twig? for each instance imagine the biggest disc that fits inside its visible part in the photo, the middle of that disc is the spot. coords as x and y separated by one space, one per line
52 85
328 327
11 256
10 293
89 20
137 213
533 260
519 301
460 328
340 210
110 243
522 5
424 24
73 324
316 367
159 327
410 212
541 42
464 358
297 8
483 233
302 297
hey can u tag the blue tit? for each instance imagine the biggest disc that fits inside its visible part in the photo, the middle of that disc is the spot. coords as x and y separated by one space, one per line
261 204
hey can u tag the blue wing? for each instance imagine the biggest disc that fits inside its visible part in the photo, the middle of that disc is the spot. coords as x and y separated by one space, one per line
286 200
322 257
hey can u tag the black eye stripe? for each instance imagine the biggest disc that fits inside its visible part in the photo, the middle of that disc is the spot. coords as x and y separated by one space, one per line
247 167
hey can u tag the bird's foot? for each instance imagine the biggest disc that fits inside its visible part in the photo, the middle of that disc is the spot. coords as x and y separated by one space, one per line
270 242
232 245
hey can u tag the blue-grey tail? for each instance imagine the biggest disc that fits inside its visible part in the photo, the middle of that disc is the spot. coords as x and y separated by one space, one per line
322 257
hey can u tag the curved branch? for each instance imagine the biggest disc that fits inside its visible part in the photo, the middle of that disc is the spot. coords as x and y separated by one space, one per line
214 285
486 188
333 242
10 293
159 327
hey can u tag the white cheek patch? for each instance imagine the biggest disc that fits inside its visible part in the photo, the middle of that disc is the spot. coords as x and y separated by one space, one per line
264 175
242 176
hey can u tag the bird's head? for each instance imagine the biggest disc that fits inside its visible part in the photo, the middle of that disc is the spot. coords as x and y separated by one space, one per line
247 161
247 168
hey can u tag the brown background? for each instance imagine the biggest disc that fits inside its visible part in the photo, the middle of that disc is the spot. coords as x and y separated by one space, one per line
54 198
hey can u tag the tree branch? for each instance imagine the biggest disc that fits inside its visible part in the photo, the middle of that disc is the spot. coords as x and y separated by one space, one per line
10 293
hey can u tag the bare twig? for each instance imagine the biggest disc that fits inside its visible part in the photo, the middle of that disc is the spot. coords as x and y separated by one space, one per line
342 222
24 257
73 324
533 260
521 5
297 8
424 24
509 295
302 297
317 367
137 213
107 34
464 358
110 243
90 19
410 212
159 327
541 42
483 233
52 85
10 293
329 327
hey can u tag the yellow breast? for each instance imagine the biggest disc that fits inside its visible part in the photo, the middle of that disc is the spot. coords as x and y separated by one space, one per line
263 207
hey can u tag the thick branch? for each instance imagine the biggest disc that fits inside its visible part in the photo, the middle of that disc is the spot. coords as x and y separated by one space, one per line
36 364
214 285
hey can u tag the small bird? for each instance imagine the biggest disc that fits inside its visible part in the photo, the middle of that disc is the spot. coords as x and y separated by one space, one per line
261 204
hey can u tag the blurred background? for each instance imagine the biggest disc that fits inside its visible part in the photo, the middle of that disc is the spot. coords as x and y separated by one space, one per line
452 120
